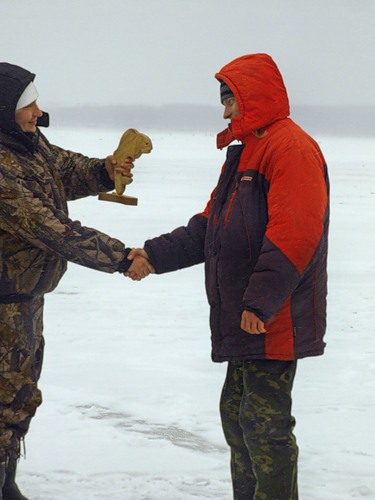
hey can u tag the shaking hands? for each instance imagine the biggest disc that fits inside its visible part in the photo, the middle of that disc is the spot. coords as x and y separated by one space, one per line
140 267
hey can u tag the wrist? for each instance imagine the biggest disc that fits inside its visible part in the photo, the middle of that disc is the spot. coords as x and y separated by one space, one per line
125 263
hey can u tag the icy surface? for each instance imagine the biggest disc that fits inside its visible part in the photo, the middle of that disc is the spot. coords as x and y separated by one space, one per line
131 396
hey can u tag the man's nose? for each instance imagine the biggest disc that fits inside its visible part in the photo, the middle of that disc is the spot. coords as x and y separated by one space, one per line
36 110
227 113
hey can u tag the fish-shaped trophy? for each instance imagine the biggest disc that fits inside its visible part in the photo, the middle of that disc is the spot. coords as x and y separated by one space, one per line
133 144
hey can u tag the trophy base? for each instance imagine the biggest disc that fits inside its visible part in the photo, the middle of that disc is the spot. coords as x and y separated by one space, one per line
118 198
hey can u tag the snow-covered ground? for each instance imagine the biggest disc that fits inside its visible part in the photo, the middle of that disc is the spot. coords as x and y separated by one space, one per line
131 396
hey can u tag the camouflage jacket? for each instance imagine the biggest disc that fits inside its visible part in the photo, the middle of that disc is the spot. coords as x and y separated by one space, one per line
37 237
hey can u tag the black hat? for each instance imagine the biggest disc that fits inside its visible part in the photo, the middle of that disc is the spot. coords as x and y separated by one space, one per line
225 92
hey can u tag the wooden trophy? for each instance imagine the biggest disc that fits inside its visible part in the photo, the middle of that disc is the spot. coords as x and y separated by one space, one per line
133 144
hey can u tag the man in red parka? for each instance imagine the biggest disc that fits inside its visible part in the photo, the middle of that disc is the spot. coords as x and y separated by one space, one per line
263 239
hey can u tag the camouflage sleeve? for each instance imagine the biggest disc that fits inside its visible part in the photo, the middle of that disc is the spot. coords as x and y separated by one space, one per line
28 213
80 175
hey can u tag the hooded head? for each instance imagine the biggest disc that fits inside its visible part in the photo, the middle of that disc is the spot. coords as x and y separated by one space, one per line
225 92
258 87
16 91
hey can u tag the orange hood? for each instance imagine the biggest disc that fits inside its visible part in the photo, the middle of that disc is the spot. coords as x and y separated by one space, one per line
258 86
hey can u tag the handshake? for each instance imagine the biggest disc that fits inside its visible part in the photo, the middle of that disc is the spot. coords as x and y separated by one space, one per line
140 267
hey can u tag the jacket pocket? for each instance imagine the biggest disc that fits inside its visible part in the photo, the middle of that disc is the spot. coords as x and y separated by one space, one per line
234 194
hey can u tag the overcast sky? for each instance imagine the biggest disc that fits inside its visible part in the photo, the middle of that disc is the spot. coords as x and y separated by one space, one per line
156 52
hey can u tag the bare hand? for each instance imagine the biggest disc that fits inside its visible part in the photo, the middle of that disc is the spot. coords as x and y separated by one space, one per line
251 323
137 251
124 168
140 267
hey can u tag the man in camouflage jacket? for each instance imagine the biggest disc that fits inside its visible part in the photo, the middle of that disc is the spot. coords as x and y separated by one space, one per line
37 238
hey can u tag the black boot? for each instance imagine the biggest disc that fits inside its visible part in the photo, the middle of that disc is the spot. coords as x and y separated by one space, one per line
2 478
10 489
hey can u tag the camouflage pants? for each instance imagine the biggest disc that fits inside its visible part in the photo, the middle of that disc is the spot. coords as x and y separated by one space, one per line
256 417
21 356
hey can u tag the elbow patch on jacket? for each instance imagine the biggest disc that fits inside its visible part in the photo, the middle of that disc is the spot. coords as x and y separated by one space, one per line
297 207
274 279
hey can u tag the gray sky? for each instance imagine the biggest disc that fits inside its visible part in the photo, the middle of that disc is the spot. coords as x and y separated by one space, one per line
156 52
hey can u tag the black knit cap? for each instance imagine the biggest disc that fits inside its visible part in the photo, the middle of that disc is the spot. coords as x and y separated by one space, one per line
225 92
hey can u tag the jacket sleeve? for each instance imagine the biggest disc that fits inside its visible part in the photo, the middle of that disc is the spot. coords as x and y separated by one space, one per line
27 213
183 247
80 175
297 217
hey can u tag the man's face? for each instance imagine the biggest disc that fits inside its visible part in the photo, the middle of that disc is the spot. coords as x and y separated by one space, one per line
230 108
27 117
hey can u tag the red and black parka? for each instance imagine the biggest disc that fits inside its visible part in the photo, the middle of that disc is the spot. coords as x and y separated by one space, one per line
263 234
